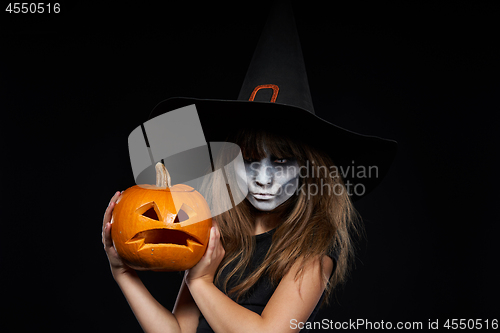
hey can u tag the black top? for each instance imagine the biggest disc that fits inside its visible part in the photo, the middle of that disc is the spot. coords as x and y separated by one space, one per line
257 298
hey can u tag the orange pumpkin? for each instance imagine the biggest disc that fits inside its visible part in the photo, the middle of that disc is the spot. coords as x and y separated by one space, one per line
162 227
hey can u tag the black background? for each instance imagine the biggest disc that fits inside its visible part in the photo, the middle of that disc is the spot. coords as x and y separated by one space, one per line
74 84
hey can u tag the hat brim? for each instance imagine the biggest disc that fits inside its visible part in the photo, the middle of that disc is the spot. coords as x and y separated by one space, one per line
361 160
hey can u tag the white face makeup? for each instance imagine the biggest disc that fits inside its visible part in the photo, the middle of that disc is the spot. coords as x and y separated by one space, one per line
270 181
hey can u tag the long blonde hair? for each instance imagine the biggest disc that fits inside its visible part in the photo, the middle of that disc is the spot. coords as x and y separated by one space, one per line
312 225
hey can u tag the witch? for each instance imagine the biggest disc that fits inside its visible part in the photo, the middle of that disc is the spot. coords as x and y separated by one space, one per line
274 258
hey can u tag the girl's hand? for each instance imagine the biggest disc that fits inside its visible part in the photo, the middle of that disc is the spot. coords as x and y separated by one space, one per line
206 268
115 262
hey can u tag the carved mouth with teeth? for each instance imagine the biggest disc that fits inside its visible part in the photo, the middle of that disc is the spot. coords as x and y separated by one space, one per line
165 236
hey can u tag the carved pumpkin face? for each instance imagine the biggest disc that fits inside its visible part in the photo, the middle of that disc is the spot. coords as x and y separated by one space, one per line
161 228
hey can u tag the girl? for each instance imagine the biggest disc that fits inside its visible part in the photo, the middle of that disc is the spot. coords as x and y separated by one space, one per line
271 260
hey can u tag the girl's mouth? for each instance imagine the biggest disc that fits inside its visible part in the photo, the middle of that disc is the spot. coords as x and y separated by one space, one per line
263 196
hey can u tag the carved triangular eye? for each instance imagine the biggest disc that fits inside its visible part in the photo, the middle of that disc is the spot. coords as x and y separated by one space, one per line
149 210
185 213
151 214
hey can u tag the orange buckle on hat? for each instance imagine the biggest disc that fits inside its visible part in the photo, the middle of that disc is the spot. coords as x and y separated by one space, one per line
272 86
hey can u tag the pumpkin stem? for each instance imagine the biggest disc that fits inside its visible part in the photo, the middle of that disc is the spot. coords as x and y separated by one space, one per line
162 176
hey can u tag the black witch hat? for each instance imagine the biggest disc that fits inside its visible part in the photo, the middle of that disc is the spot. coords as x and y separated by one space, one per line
276 89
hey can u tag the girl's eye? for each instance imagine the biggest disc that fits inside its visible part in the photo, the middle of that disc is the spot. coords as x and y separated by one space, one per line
281 160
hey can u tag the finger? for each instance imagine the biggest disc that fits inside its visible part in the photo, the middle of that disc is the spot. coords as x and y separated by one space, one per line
108 243
213 239
115 196
109 210
108 214
216 227
211 245
218 235
218 243
107 240
219 248
217 231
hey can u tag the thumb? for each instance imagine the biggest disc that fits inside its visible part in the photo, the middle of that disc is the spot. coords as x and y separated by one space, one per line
211 245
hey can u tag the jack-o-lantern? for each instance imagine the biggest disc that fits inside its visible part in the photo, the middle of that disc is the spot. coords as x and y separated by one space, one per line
162 227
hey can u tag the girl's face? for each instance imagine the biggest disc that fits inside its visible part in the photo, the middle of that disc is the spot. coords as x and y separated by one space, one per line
268 182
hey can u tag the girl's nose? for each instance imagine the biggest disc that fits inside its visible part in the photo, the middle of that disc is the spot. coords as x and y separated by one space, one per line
263 181
264 174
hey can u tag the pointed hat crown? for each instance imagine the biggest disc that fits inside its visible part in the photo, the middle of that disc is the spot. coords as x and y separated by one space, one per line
277 72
